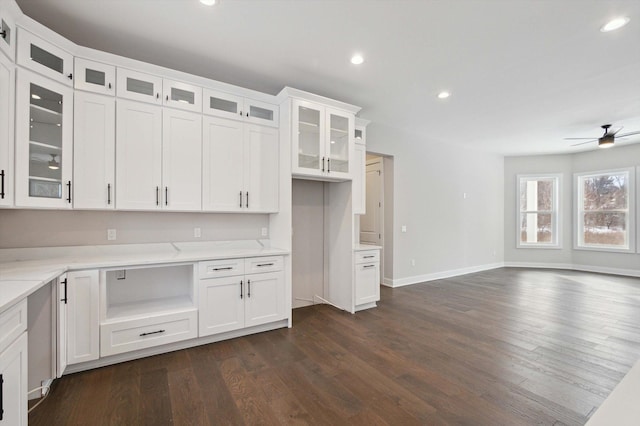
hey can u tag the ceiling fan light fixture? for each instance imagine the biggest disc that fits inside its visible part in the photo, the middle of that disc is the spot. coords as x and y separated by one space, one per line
357 59
208 2
605 142
53 164
443 95
615 24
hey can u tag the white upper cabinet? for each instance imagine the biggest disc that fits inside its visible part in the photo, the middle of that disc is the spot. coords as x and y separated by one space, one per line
226 105
7 92
182 95
138 156
139 86
322 141
43 166
246 158
182 160
359 165
94 151
95 77
7 33
44 58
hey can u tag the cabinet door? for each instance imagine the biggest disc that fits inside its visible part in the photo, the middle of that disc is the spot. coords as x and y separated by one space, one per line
139 86
367 283
264 300
95 77
261 168
44 111
7 87
138 155
62 296
221 305
222 104
45 58
223 162
13 379
308 139
359 165
182 95
339 143
94 151
182 160
7 33
83 321
261 113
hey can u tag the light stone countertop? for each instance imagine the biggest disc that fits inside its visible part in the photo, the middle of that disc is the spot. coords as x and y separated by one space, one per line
362 247
24 271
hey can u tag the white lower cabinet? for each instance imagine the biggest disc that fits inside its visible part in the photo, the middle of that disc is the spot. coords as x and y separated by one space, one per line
81 298
367 278
252 294
13 366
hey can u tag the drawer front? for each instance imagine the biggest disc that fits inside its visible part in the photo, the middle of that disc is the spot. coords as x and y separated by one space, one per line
256 265
368 256
221 268
12 323
144 333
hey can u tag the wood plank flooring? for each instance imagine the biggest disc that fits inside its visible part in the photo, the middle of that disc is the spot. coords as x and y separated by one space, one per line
501 347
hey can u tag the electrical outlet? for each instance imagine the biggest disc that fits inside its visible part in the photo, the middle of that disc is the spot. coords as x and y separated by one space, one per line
197 233
111 234
265 232
404 228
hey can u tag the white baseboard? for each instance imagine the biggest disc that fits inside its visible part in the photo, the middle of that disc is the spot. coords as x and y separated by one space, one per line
401 282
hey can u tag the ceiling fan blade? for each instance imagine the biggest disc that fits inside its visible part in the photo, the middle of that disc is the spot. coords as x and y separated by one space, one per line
628 134
582 143
614 133
577 139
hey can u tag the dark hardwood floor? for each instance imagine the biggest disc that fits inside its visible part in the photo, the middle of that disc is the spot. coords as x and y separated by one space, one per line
502 347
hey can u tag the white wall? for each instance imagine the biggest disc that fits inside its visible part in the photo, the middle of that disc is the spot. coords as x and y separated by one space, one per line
46 228
617 157
447 234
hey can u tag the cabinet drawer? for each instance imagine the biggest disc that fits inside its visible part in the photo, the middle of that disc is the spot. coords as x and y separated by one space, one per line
143 333
256 265
12 323
368 256
221 268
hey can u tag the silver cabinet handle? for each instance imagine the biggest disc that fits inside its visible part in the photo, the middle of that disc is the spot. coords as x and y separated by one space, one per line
151 332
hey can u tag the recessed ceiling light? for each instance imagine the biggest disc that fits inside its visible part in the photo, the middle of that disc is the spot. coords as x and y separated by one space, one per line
443 95
34 96
208 2
614 24
357 59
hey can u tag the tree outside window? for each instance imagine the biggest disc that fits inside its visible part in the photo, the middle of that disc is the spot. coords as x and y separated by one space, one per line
538 211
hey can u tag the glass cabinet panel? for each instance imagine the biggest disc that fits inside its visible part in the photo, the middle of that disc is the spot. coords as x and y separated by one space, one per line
358 134
94 76
140 86
338 143
309 138
47 59
262 113
224 105
45 143
185 96
5 31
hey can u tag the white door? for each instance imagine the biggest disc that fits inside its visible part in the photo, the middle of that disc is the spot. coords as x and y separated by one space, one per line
367 283
181 160
61 295
261 168
7 87
264 300
83 322
138 86
13 369
371 223
223 165
94 151
138 155
221 305
182 95
95 77
45 58
44 138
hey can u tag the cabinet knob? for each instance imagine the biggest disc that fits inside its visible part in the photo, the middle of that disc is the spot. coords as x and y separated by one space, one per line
3 33
70 76
109 85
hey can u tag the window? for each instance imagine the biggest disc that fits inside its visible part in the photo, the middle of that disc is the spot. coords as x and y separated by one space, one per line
538 224
604 208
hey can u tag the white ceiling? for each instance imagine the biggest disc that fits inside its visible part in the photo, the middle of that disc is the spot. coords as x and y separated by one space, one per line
523 74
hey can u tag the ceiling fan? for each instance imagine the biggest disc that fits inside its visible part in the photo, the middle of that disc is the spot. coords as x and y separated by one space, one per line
607 139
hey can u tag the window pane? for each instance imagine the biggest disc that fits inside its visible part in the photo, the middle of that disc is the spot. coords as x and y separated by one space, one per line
605 228
536 195
536 228
605 192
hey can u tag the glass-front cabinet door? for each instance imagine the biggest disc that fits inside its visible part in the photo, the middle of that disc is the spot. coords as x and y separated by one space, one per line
339 144
45 58
308 139
43 142
95 77
139 86
182 95
7 34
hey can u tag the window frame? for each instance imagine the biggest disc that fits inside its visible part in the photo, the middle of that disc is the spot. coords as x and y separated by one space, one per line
578 211
556 225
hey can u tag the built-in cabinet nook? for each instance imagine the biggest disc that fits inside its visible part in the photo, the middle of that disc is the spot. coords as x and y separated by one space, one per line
85 130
